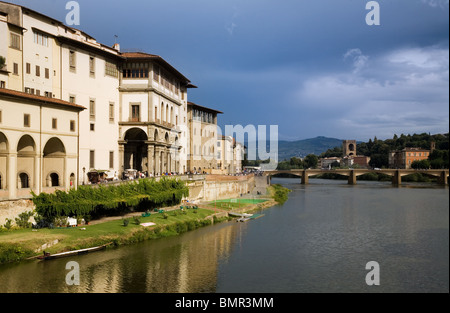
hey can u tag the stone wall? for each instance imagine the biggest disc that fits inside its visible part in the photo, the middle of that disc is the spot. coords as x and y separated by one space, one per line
12 209
217 188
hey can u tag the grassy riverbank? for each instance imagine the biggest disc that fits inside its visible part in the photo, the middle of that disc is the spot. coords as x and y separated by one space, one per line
20 244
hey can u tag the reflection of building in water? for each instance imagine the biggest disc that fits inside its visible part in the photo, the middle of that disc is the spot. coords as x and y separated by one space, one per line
185 264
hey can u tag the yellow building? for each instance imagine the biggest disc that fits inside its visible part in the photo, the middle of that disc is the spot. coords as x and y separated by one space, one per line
38 144
202 128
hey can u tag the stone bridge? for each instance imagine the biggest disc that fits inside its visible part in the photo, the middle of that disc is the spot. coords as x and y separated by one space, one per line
352 174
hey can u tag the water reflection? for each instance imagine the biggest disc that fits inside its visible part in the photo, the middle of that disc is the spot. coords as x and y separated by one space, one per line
186 264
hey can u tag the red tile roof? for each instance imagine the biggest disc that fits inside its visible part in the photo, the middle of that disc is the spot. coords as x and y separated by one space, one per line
147 56
23 95
204 108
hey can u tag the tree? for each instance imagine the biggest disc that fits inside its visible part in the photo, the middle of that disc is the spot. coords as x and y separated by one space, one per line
311 161
422 164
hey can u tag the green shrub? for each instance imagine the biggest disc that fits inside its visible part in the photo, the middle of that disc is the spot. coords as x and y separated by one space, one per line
8 224
125 222
137 221
110 200
23 220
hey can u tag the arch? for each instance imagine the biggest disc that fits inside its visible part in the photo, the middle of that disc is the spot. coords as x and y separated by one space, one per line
351 147
54 179
72 179
171 115
4 145
167 113
54 148
136 149
155 136
166 138
135 134
26 145
4 150
24 180
162 111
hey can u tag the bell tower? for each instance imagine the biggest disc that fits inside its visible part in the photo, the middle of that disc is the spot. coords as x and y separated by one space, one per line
349 147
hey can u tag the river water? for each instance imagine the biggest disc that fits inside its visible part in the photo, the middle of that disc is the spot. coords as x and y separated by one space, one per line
320 240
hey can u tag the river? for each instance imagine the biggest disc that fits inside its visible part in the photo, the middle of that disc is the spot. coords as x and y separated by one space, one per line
320 240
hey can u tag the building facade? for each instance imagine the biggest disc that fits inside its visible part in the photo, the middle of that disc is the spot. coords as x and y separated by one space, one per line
202 131
111 110
403 159
38 144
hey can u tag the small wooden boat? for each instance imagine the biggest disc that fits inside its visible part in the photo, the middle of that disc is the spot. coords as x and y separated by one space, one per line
48 256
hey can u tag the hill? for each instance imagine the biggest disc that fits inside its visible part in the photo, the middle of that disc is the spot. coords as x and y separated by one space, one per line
301 148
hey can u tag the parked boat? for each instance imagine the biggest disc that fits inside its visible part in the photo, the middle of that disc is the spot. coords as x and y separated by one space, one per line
48 256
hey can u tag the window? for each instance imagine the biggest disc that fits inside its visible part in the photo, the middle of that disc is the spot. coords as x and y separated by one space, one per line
0 116
47 73
28 68
92 159
111 111
38 71
24 181
156 73
92 109
72 125
54 123
111 159
92 127
15 41
2 84
26 120
54 179
15 69
72 99
38 92
72 61
110 69
40 39
135 73
91 66
48 94
135 113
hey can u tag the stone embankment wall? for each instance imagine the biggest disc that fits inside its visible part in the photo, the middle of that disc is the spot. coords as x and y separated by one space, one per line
12 209
217 187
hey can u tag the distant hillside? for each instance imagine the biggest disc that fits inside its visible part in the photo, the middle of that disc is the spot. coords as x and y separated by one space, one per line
301 148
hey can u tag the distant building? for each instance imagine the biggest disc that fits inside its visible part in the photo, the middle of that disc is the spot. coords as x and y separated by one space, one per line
225 154
202 129
361 161
238 156
328 162
404 158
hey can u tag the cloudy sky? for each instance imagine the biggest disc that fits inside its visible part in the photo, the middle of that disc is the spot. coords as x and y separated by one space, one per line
312 67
